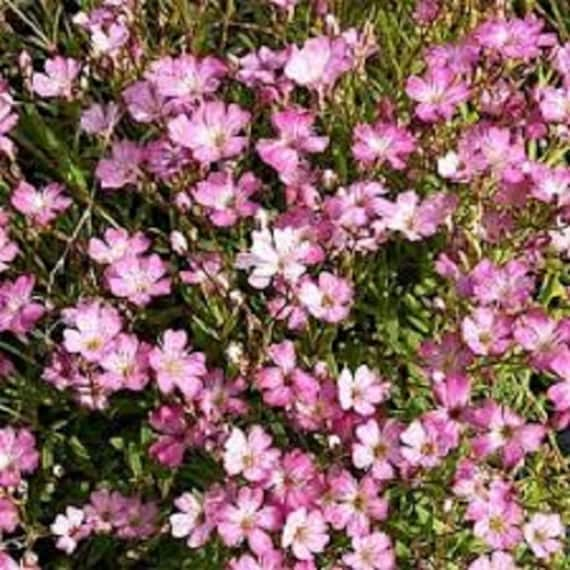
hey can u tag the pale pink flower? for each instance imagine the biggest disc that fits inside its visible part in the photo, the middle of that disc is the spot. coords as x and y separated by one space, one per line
95 326
18 455
487 331
424 443
191 521
138 279
8 563
445 357
58 78
282 252
496 561
382 142
123 168
371 552
330 299
116 244
176 366
100 119
544 533
40 206
554 104
249 520
8 250
212 132
439 92
319 63
144 103
70 528
9 516
306 533
251 456
225 199
378 449
18 313
361 391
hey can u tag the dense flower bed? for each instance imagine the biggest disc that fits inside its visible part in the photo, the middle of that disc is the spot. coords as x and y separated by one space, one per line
284 285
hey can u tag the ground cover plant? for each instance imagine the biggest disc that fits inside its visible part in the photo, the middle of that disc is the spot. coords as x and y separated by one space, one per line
284 284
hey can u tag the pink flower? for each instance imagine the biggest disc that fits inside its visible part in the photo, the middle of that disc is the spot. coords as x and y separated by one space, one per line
319 63
550 184
382 142
8 250
544 534
95 326
305 533
212 131
103 510
295 481
505 431
175 437
227 200
40 206
496 561
70 529
117 243
487 331
18 313
438 93
329 300
362 391
378 449
555 104
424 443
122 168
296 138
57 79
414 219
100 119
371 552
248 520
138 279
9 516
136 520
283 252
497 521
448 356
144 103
18 455
251 456
176 367
355 505
191 522
282 382
186 77
126 363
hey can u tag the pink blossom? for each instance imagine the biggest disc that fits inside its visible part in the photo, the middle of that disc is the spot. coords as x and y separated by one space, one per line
212 131
116 244
95 326
175 366
225 199
305 532
8 563
378 448
371 552
355 505
362 391
70 528
103 510
144 103
58 78
282 252
100 119
138 279
319 63
40 206
382 142
9 516
424 443
186 77
446 357
191 521
18 313
122 168
551 184
136 520
8 250
249 520
330 299
505 431
487 331
170 421
438 93
251 455
544 534
496 561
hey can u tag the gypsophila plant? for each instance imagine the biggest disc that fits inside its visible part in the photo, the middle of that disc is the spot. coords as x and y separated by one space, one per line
284 284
